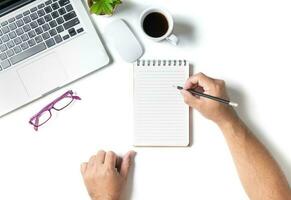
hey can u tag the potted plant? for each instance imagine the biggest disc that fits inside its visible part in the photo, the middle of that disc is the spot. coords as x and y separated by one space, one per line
103 7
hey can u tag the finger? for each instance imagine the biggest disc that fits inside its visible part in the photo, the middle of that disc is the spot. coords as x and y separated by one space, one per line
92 161
110 159
126 163
189 99
83 168
100 157
201 80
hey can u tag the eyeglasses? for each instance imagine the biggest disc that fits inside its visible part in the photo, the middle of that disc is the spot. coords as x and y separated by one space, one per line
58 104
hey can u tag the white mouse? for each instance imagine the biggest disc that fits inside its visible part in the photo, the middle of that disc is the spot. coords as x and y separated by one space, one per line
124 40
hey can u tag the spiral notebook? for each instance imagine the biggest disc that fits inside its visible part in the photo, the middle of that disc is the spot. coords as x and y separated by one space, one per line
161 118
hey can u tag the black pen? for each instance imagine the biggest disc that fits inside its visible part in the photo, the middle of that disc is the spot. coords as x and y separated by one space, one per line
194 92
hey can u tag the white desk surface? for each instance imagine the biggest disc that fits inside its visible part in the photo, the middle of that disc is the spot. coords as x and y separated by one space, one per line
247 43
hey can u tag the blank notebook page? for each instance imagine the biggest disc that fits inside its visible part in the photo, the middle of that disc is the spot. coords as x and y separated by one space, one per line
161 116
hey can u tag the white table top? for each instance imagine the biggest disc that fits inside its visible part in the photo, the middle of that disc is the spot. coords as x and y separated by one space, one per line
246 43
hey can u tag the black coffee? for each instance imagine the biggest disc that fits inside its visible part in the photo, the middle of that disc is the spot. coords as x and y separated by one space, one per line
155 24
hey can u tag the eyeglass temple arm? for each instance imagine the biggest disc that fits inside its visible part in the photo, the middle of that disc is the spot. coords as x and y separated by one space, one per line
76 97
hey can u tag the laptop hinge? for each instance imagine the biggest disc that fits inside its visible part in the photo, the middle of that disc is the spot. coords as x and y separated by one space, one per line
14 6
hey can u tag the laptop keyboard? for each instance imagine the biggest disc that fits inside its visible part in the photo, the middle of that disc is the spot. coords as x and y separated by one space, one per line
35 30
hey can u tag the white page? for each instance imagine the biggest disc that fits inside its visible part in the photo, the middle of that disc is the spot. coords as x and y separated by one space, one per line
161 116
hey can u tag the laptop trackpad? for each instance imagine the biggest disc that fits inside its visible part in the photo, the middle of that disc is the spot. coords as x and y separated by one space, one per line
43 75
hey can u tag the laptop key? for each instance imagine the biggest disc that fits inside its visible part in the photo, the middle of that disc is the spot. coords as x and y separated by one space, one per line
66 37
64 2
69 16
10 44
69 7
41 6
60 20
41 13
26 13
53 32
72 32
55 6
71 23
50 42
12 26
24 37
53 24
31 34
26 19
58 38
48 9
62 11
24 46
11 20
19 31
12 35
46 27
48 2
17 41
5 64
3 47
26 28
38 30
33 25
46 36
28 53
31 42
5 38
4 23
17 49
3 56
80 30
33 16
48 18
20 23
55 14
33 9
60 29
10 53
5 29
19 16
38 39
40 21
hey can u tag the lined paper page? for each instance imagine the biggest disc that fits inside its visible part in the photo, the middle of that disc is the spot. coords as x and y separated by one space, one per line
161 116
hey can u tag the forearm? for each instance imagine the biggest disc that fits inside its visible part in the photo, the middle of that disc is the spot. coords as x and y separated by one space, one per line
259 173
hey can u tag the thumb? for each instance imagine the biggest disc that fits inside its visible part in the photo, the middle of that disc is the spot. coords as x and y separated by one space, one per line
126 163
83 168
189 99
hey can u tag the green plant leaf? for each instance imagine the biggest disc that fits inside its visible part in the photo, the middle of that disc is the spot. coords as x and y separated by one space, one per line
101 7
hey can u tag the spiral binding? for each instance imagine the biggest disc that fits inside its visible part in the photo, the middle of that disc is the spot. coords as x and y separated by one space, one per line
161 63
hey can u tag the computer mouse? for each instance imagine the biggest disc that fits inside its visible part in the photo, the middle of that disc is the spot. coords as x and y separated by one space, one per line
125 42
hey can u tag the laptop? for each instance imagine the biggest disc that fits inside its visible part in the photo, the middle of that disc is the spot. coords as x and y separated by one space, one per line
44 45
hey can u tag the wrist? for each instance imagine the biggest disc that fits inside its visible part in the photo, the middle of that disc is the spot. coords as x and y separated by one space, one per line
227 122
104 198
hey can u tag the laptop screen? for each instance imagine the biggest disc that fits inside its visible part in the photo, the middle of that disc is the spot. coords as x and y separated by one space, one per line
10 5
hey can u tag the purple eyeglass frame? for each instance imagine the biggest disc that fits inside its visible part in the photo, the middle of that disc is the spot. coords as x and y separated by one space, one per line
68 94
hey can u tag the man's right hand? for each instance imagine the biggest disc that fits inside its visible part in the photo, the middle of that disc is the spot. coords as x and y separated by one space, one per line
213 110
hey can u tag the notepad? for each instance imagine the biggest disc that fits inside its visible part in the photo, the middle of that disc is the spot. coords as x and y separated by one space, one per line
161 118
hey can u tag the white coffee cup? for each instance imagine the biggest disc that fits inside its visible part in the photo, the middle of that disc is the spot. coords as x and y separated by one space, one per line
168 34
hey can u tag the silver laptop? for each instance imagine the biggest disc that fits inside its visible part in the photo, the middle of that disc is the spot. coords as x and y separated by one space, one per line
44 45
